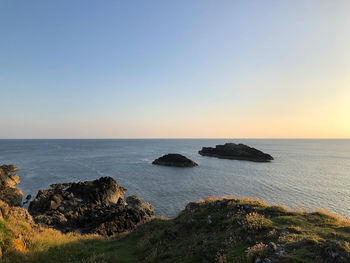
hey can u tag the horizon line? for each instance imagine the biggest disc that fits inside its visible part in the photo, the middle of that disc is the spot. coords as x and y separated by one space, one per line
188 138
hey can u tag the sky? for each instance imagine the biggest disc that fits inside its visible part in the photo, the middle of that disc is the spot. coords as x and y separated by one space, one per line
175 69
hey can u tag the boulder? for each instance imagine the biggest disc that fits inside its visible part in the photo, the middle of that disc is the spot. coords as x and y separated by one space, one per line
236 152
9 193
89 207
137 203
103 191
173 159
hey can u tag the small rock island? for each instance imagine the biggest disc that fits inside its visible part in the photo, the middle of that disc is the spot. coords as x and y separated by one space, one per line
174 159
236 152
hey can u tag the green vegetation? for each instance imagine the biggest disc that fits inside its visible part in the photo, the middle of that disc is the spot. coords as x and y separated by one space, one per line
225 230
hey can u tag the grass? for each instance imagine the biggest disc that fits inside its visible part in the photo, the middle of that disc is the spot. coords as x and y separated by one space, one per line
238 231
304 256
237 252
55 247
292 220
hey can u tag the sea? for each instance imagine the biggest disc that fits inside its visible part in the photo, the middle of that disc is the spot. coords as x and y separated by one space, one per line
305 173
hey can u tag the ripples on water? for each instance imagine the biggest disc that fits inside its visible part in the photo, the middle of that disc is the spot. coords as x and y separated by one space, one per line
311 173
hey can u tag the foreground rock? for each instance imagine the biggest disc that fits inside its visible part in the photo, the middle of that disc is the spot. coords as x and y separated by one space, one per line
9 193
236 152
173 159
89 207
16 212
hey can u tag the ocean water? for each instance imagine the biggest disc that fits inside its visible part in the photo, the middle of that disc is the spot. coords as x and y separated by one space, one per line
311 173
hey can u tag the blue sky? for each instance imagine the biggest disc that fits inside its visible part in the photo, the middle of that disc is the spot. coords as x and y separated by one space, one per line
154 69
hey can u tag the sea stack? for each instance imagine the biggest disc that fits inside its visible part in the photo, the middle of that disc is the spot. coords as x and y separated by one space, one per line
174 159
236 152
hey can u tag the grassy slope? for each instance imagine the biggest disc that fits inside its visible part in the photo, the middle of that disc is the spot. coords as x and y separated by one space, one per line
236 227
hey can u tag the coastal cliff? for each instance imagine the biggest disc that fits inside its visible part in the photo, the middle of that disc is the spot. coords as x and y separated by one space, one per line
211 230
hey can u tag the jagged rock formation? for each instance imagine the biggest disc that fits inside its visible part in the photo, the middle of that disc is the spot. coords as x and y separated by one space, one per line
173 159
89 207
236 152
10 195
8 181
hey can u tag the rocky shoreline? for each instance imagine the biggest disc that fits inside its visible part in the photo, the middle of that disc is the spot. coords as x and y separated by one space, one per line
211 230
86 207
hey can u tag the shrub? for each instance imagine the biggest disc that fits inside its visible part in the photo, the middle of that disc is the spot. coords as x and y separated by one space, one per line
254 201
255 221
258 250
13 234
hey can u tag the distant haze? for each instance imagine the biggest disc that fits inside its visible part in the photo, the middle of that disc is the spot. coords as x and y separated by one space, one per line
175 69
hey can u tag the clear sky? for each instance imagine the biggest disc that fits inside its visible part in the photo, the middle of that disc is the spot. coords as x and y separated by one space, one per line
172 69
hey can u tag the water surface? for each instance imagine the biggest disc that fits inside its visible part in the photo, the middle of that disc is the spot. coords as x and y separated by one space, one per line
311 173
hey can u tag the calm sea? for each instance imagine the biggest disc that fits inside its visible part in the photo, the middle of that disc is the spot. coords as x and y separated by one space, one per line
311 173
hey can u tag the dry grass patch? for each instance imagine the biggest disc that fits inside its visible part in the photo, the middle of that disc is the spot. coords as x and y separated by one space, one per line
259 250
344 221
256 222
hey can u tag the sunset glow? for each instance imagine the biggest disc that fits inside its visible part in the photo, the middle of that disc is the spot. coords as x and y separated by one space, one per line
251 69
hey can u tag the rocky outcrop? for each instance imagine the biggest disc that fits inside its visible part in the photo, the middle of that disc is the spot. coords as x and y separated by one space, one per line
11 196
17 212
236 152
89 207
173 159
9 193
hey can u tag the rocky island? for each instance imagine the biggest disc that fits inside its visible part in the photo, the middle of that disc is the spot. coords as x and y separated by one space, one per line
91 222
236 152
173 159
